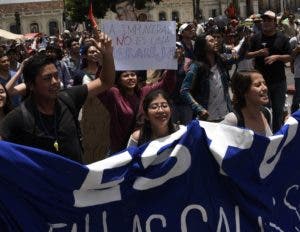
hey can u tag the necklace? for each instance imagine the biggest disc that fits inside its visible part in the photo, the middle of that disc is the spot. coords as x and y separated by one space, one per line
55 144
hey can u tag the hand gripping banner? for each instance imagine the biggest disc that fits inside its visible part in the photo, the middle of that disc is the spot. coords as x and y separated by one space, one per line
204 177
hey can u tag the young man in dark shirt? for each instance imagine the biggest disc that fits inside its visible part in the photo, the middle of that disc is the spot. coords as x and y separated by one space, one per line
271 49
48 118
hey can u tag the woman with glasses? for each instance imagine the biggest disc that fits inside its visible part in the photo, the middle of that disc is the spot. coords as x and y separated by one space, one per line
157 121
123 102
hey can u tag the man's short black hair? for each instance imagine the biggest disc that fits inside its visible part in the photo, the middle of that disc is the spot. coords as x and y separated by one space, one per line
33 67
11 51
70 41
2 54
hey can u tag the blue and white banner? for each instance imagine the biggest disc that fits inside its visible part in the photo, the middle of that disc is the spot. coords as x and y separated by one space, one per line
204 177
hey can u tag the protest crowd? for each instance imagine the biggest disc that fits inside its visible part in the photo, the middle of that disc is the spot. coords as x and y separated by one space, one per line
63 93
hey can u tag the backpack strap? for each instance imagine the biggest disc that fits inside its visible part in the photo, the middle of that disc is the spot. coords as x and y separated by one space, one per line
268 115
67 100
240 118
28 119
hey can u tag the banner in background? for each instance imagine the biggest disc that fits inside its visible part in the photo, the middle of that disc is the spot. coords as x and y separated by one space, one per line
142 45
9 35
204 177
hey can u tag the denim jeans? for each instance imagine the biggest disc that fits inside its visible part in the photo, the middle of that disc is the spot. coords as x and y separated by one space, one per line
296 97
277 93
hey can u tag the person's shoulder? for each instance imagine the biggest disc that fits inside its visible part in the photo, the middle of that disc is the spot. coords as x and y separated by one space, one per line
230 119
14 117
73 89
110 95
17 111
195 65
256 36
136 135
113 91
281 35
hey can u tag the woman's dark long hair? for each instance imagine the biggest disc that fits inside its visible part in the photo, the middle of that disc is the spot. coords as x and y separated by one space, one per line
240 84
120 87
146 131
201 49
200 54
8 105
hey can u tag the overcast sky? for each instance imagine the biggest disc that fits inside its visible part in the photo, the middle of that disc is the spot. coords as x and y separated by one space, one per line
21 1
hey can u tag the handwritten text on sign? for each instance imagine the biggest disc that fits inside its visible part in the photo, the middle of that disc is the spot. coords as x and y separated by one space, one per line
142 45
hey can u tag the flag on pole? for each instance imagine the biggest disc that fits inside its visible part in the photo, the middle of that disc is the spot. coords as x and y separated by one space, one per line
91 15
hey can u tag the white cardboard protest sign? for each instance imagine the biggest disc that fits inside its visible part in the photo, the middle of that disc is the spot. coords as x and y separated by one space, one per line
142 45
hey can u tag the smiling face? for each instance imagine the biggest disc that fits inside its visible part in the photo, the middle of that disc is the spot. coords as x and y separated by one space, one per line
2 96
128 80
211 44
257 94
159 112
94 55
47 83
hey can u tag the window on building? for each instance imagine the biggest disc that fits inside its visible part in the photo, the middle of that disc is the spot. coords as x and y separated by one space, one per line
175 16
142 17
162 16
13 28
213 13
53 28
34 28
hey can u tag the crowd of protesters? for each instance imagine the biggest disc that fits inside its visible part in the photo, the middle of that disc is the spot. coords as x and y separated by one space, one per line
52 82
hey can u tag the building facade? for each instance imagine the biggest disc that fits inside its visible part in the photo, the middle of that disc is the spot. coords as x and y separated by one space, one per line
184 10
46 16
34 16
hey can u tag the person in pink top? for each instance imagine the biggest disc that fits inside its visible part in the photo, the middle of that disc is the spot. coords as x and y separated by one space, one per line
124 104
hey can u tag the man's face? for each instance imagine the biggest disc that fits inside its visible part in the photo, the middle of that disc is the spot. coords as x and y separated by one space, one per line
291 18
125 11
189 32
218 40
47 83
268 25
75 47
4 63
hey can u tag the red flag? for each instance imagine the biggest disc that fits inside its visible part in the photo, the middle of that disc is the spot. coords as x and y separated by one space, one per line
91 15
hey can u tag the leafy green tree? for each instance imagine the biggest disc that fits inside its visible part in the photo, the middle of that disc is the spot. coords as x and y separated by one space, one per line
77 10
